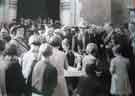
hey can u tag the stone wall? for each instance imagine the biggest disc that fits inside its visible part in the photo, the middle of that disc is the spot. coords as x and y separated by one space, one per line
101 11
12 9
8 10
70 12
119 11
66 15
93 11
96 11
3 10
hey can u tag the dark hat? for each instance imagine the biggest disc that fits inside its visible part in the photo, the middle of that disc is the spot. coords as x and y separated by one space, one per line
10 50
20 26
15 27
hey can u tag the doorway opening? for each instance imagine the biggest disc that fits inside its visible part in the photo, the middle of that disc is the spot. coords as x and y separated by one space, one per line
38 8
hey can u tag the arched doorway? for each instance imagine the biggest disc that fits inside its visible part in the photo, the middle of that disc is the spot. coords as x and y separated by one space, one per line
36 8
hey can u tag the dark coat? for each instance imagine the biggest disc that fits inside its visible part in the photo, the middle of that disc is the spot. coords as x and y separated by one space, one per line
15 83
71 58
89 86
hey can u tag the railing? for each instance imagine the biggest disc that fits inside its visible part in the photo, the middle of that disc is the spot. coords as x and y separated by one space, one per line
65 5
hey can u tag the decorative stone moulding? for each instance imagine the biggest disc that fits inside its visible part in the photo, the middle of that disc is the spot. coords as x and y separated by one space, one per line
13 4
65 5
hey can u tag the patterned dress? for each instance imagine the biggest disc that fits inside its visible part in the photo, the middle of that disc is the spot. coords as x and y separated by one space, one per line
120 84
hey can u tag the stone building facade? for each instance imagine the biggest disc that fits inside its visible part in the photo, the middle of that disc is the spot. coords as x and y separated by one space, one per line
71 11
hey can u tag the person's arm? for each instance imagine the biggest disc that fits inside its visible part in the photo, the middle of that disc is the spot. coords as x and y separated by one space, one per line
79 62
108 37
79 49
128 65
84 42
73 43
83 64
66 63
22 87
112 67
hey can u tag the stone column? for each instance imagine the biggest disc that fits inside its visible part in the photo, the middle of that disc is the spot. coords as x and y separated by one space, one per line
76 11
66 14
8 9
131 3
12 9
2 10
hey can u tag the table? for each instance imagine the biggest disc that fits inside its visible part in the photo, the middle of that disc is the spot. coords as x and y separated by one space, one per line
73 72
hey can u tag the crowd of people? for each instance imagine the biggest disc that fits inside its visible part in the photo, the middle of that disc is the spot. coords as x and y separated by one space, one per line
35 53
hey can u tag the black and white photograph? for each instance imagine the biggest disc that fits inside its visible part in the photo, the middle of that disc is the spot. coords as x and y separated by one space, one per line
67 47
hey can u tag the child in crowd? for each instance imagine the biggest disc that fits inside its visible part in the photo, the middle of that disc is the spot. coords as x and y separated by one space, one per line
69 53
120 85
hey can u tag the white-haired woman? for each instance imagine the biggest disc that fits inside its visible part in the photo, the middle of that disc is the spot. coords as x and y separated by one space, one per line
91 57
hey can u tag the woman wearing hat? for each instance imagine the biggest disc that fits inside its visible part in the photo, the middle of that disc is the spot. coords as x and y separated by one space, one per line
20 41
